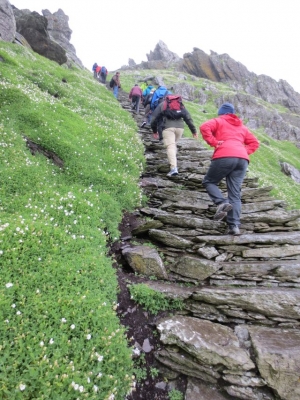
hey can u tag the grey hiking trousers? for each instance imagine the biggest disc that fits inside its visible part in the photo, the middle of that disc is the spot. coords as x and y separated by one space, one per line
233 169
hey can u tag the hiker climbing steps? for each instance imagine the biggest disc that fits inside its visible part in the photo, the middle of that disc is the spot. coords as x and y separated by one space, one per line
240 293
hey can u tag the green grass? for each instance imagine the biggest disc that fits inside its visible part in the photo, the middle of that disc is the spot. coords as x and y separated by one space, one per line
60 335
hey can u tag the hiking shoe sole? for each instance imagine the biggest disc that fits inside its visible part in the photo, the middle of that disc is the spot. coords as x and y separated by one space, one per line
222 211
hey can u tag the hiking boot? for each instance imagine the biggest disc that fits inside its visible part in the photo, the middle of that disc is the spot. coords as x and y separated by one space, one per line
222 211
173 172
143 124
234 230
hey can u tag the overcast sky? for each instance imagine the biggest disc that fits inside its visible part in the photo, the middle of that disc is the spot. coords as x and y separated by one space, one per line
263 35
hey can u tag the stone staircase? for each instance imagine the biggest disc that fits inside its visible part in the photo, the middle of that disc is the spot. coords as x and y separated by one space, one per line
238 335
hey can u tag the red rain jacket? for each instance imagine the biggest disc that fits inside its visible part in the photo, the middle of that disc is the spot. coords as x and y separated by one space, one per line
229 136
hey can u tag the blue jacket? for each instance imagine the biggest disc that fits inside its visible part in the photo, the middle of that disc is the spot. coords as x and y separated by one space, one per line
147 90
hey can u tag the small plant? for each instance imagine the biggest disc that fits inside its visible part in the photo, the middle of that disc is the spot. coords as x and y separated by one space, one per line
152 300
139 369
175 395
140 374
154 372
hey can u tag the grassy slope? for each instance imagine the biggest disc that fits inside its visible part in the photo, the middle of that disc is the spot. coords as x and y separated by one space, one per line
60 337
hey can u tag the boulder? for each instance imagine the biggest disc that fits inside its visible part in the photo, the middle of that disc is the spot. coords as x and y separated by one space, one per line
7 22
33 27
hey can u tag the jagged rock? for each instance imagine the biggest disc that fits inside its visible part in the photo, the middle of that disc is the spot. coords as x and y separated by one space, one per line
291 171
278 359
59 31
21 40
162 53
145 261
33 27
146 226
197 390
131 63
168 239
271 252
195 268
222 68
269 302
210 343
7 22
183 363
279 238
247 393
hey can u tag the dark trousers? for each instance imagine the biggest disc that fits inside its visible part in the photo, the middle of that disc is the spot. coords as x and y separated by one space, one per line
103 78
136 102
233 169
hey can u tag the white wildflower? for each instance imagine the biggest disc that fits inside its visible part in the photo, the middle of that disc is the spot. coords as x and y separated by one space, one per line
88 337
95 388
22 387
72 326
9 284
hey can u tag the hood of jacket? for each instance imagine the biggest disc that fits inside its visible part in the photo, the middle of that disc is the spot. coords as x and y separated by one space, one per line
231 119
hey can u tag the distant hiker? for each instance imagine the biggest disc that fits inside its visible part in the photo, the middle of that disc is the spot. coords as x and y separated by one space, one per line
103 74
147 110
98 69
233 143
94 70
172 126
116 84
135 97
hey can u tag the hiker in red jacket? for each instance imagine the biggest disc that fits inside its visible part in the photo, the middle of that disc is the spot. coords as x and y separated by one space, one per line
135 97
98 69
233 143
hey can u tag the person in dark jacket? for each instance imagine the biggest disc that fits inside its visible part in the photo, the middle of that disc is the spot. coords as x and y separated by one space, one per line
95 65
117 84
147 110
233 142
172 131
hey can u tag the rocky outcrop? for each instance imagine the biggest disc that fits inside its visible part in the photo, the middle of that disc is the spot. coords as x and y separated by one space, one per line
48 35
59 31
222 68
7 22
162 53
33 27
238 333
291 171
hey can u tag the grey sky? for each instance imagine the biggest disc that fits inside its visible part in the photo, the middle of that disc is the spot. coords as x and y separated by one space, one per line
261 34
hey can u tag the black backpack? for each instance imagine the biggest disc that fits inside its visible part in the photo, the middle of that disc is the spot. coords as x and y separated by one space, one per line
112 83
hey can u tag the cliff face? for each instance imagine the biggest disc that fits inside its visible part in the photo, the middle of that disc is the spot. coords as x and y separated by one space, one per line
222 68
48 34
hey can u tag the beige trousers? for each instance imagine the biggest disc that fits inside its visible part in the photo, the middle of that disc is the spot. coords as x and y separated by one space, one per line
171 137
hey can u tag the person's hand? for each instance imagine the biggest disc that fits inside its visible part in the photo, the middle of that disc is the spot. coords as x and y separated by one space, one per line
195 135
155 135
